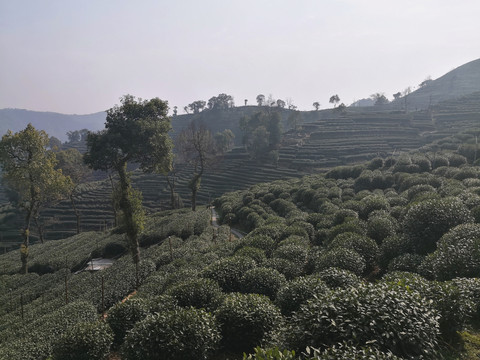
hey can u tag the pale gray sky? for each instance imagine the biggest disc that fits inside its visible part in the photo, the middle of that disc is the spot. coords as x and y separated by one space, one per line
74 56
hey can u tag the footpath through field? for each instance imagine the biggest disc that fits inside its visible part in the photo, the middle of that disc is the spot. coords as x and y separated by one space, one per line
239 234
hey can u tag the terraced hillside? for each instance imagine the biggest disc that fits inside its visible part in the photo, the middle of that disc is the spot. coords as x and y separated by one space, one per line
325 139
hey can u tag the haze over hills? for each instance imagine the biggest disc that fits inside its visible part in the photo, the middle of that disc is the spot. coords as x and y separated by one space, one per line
54 124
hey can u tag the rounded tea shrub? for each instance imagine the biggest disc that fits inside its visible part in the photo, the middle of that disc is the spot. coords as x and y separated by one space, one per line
342 258
199 293
363 245
180 334
228 272
123 316
84 341
390 316
246 321
264 281
338 278
286 267
297 291
405 262
426 222
350 352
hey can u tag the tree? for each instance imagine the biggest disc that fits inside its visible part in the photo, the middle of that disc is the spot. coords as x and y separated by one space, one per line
379 99
280 103
220 102
397 95
262 133
71 163
77 135
290 105
175 110
197 106
334 99
316 105
29 170
196 147
260 99
136 131
54 144
224 141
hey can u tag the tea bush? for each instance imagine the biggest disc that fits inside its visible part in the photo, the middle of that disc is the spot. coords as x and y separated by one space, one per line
228 272
264 281
246 321
198 293
391 316
85 341
180 334
297 291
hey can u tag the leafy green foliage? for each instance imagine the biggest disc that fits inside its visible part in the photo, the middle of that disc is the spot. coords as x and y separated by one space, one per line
297 292
426 222
247 320
198 293
264 281
392 317
228 272
85 341
180 334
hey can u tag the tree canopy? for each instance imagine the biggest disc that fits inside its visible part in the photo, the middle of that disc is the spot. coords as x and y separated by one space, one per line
28 169
135 131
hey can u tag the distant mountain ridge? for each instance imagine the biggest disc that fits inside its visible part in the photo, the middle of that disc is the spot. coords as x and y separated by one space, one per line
54 124
461 81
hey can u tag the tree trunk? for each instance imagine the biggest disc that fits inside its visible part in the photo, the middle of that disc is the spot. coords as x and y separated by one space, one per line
115 223
126 206
194 186
26 240
171 185
40 229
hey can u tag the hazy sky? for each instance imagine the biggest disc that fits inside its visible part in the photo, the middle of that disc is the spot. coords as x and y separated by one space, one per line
75 56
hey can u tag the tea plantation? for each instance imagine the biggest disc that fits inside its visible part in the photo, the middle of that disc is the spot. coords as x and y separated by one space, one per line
378 260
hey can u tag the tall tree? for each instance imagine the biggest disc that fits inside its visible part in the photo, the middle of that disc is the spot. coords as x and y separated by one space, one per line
316 105
334 99
197 106
196 147
260 99
379 99
72 164
136 131
28 169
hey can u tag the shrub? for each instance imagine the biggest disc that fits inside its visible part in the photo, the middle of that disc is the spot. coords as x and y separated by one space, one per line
363 245
246 321
405 262
264 281
286 267
343 214
252 252
392 247
85 341
372 203
180 334
264 242
426 222
270 354
297 291
381 227
123 316
228 272
354 225
391 316
292 252
341 258
198 293
346 351
457 253
338 278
